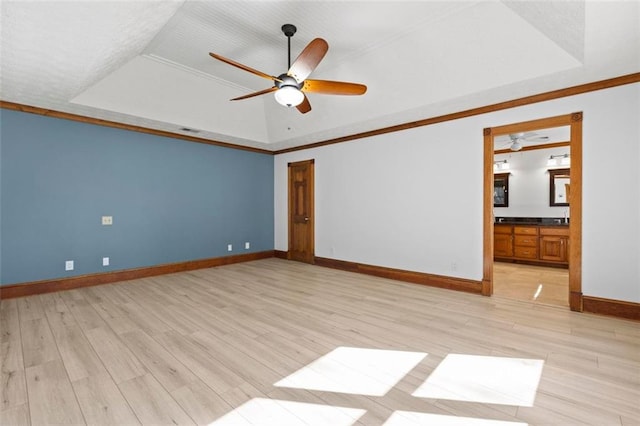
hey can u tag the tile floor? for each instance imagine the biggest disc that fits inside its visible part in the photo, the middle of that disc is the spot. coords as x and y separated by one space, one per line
538 284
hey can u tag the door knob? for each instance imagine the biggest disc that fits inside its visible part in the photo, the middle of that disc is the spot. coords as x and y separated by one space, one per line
306 219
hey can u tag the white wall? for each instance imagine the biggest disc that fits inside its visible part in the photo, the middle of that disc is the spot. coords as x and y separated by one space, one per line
529 184
413 200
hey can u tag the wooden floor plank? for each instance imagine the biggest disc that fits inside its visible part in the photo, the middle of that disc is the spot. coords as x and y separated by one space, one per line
164 366
121 363
13 391
38 344
51 397
17 415
102 402
80 360
30 308
201 403
86 317
199 361
9 320
152 404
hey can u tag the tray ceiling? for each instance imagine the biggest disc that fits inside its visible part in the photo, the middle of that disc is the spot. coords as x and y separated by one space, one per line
146 63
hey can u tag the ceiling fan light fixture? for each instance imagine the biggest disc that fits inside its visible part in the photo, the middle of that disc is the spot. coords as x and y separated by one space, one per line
516 145
289 96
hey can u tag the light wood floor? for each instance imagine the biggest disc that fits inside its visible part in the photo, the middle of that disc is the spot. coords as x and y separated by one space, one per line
538 284
202 346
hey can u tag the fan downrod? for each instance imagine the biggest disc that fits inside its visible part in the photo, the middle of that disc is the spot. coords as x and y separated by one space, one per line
289 30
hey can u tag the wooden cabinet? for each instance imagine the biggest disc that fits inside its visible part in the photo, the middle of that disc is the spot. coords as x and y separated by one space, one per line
554 244
532 244
503 241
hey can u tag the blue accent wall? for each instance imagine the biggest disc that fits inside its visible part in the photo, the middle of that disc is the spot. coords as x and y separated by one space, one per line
171 200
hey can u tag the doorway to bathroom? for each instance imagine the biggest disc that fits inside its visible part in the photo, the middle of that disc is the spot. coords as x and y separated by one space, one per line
532 211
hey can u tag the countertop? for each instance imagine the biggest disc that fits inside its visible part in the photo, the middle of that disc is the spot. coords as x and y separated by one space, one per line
542 221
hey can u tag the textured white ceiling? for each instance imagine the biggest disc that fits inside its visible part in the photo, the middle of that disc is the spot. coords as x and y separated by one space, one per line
146 63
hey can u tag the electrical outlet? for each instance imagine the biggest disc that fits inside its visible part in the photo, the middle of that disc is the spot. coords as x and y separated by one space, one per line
247 245
229 247
107 220
105 261
68 265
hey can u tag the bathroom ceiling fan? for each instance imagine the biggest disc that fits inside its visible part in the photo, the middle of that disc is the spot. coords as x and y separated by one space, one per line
518 139
290 87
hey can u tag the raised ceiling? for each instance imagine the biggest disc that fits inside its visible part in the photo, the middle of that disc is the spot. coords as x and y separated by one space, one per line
146 63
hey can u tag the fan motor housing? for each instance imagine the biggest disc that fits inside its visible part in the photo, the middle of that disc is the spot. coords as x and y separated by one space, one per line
287 80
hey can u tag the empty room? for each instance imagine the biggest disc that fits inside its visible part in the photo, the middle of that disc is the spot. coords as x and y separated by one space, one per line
320 212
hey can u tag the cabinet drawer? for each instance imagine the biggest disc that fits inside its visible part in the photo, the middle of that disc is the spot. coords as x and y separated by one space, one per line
526 252
525 240
502 229
555 230
525 230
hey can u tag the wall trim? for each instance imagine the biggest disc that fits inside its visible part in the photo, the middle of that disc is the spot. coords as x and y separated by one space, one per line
68 283
541 97
431 280
611 307
280 254
534 147
106 123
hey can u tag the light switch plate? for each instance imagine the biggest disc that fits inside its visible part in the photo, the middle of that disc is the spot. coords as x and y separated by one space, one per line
68 265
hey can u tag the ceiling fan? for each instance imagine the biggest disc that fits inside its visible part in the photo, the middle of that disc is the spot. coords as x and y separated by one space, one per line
517 140
290 87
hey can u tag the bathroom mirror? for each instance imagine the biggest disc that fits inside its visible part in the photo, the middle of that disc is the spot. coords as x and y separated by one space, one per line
559 187
501 190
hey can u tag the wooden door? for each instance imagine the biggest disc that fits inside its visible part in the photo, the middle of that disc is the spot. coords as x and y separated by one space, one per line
301 229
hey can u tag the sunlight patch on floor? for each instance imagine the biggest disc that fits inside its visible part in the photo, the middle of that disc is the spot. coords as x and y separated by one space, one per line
274 412
487 379
410 418
354 371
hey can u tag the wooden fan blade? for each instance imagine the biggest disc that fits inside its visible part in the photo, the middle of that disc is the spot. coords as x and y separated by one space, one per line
308 60
244 67
305 106
328 87
251 95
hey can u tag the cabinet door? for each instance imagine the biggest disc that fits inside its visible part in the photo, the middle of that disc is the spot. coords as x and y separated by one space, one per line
502 245
553 248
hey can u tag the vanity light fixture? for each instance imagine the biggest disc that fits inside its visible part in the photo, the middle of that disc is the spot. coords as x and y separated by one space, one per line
559 160
500 165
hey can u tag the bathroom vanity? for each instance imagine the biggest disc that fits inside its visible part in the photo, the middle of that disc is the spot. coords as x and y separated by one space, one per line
535 241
